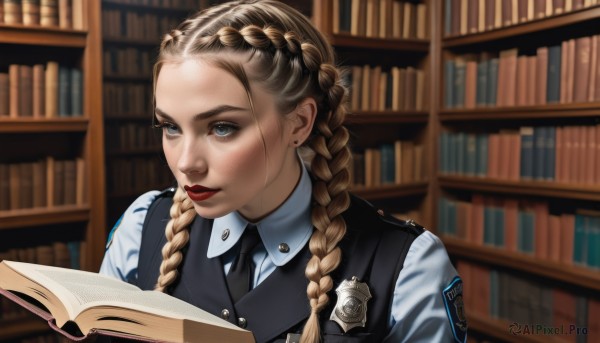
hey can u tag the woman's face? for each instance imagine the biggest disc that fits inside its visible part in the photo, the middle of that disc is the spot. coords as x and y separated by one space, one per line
224 158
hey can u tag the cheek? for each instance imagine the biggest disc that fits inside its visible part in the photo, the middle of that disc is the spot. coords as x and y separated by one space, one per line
241 162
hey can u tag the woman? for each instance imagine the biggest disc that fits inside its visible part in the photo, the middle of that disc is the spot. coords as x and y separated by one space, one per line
239 89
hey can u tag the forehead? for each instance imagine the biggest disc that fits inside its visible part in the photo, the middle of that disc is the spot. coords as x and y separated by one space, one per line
195 84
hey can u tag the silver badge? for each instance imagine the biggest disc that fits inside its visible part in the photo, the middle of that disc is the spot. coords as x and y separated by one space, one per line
351 308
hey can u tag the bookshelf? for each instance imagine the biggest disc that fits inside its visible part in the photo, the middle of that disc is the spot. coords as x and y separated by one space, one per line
133 148
375 46
39 222
553 103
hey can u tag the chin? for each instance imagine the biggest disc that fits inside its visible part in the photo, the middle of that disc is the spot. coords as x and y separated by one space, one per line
210 213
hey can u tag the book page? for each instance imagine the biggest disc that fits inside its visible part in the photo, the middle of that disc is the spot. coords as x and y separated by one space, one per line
86 290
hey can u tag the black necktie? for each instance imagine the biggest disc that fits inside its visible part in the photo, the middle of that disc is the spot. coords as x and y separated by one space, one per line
239 278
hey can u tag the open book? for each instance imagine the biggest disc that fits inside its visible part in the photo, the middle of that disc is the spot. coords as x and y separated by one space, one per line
101 305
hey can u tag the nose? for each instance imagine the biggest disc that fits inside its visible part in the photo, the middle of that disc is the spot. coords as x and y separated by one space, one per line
192 160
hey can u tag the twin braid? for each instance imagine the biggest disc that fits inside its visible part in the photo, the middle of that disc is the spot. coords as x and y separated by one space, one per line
177 232
330 165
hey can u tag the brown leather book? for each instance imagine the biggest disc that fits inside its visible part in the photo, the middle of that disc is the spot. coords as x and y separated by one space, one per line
38 90
490 14
559 6
4 187
15 185
78 15
594 66
59 182
65 18
522 73
398 16
49 12
365 101
80 184
51 89
410 86
372 18
31 12
456 17
39 183
582 66
554 229
355 91
471 84
541 75
531 87
13 12
571 70
481 16
493 171
25 91
50 187
478 202
507 17
408 158
511 220
464 17
472 16
373 102
559 155
26 185
540 8
14 90
70 182
4 95
590 155
541 230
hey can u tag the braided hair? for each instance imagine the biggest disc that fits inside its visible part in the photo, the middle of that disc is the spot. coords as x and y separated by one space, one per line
290 58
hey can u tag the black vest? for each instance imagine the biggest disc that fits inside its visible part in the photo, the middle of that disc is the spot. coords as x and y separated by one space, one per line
373 250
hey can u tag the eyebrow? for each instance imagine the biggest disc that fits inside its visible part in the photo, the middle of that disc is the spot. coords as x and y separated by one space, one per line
206 114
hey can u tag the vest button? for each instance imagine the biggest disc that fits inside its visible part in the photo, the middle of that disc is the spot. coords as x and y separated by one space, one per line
242 322
225 314
225 234
283 247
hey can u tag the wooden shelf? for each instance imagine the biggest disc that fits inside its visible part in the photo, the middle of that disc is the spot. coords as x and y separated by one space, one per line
386 117
526 112
390 191
579 276
360 42
39 35
121 77
154 43
500 329
21 326
44 125
533 26
527 188
43 216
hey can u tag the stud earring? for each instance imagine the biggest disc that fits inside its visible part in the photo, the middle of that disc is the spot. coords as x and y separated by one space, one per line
295 142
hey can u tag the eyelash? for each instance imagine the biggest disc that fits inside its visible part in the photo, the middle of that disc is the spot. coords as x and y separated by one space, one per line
233 127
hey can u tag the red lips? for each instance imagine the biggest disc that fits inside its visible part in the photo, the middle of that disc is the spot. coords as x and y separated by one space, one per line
199 193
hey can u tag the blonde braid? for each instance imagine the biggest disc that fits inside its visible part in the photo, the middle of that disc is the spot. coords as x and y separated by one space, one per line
177 232
330 166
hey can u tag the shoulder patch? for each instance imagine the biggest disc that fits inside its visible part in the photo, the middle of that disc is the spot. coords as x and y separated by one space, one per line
112 232
455 309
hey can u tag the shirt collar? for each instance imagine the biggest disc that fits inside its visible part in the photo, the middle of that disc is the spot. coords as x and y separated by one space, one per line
290 224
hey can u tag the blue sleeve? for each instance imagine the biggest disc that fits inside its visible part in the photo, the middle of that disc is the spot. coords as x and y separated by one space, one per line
427 304
123 246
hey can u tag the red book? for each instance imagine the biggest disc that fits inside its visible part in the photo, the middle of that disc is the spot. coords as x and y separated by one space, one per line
581 81
530 97
470 84
593 68
567 237
514 172
481 290
554 238
564 310
521 98
593 315
494 156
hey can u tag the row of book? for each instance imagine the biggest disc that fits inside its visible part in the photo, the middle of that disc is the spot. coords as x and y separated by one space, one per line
133 25
66 14
462 17
134 176
127 62
378 89
399 162
564 154
191 4
565 73
127 137
44 183
527 306
60 254
380 18
526 227
40 91
127 99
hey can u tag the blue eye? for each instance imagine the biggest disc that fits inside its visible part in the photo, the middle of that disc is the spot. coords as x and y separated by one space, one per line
168 128
224 129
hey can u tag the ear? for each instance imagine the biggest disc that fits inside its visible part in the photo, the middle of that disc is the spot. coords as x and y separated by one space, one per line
302 121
